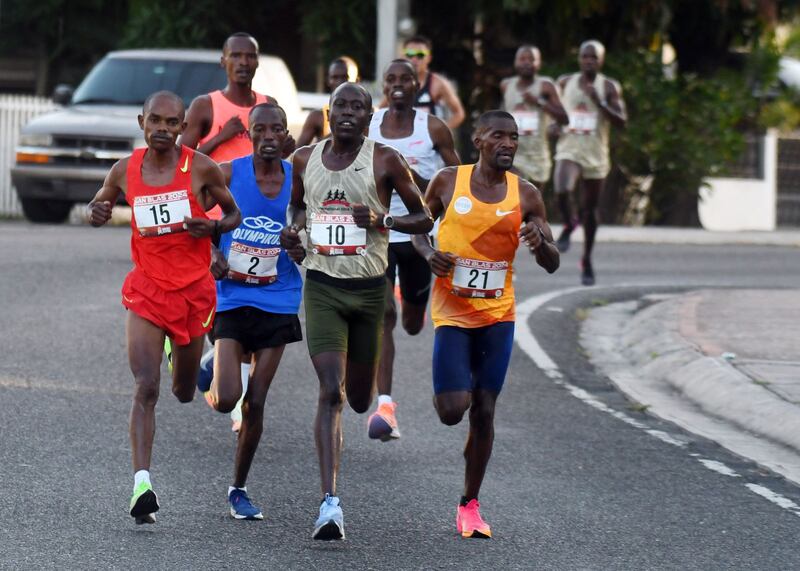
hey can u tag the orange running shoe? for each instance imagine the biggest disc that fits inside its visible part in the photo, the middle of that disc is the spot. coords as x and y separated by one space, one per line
382 423
469 522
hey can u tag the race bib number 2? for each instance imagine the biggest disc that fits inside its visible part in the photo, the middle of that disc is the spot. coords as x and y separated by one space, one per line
478 278
337 235
159 214
252 265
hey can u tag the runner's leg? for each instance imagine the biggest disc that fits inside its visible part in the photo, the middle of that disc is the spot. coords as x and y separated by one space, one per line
591 197
265 366
565 180
145 345
226 387
330 367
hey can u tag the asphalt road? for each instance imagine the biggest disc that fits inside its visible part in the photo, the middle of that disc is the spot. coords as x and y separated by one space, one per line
569 486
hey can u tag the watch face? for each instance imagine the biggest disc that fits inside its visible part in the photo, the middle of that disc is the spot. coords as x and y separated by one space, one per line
388 221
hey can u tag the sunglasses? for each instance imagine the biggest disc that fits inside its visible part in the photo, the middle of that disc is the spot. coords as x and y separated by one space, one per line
420 54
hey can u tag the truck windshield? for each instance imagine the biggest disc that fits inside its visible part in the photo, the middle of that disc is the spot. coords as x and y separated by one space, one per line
124 81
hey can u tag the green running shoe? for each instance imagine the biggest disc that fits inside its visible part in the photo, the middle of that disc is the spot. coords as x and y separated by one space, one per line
144 504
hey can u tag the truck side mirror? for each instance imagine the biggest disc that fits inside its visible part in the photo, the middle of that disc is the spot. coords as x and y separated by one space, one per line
62 94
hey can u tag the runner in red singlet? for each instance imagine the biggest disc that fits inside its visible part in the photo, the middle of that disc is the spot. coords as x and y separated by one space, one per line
170 290
216 123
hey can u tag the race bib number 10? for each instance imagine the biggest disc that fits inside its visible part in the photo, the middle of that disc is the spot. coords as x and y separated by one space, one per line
159 214
337 235
478 278
252 265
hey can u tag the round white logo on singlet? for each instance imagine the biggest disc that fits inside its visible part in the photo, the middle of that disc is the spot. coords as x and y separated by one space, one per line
462 205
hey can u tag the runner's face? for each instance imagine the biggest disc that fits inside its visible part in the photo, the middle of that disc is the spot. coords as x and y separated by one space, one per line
349 112
240 60
527 62
268 132
162 123
419 55
400 84
337 75
588 60
498 144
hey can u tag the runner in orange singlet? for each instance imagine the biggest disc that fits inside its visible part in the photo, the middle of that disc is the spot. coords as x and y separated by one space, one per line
216 123
485 211
170 290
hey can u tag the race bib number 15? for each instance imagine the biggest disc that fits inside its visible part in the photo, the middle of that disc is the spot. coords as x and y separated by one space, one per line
337 235
478 278
159 214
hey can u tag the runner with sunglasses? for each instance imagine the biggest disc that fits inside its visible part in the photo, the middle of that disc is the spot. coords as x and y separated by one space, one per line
434 90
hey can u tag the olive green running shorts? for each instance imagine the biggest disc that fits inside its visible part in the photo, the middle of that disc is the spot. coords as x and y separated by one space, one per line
344 315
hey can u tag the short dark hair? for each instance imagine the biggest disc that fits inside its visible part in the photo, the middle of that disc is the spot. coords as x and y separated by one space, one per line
486 118
359 87
163 93
238 35
400 60
419 40
270 106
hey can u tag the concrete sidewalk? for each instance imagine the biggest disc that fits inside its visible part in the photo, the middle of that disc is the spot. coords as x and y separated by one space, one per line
731 355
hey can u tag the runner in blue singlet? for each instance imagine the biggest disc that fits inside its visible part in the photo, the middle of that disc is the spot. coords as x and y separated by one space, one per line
258 295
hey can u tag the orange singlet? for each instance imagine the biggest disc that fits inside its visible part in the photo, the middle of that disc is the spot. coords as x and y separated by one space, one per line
170 284
221 111
485 237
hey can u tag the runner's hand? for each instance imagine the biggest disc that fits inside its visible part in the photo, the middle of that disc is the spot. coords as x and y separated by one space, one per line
290 241
231 128
532 235
99 213
219 265
198 227
530 99
289 146
442 263
364 217
591 92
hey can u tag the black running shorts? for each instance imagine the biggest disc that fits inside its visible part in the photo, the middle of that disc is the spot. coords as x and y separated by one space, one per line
414 271
256 329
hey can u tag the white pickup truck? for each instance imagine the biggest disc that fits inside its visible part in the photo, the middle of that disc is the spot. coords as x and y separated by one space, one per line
63 156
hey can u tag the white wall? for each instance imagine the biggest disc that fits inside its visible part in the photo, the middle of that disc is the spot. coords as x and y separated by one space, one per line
733 204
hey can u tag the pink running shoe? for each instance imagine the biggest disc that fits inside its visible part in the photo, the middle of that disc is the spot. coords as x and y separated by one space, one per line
382 423
469 522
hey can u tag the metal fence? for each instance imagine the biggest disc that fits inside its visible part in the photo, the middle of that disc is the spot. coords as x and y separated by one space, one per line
789 181
15 111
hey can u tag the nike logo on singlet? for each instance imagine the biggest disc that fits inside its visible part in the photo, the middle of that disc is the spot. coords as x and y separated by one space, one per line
359 169
503 212
184 168
412 143
208 319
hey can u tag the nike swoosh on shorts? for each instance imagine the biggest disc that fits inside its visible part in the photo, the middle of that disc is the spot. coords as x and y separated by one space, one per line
208 319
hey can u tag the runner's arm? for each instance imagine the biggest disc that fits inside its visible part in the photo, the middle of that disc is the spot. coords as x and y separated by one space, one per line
296 212
198 122
613 107
441 262
536 233
447 95
443 142
552 103
312 128
209 178
397 176
101 205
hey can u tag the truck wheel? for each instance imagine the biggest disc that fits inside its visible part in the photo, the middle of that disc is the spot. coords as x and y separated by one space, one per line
43 211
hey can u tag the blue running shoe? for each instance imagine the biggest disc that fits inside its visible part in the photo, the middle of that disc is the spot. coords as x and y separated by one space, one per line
206 374
330 523
242 507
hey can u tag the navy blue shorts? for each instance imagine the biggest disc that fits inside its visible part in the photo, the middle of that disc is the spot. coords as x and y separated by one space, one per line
468 359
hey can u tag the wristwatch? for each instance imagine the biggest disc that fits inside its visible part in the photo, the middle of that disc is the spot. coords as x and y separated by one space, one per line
388 221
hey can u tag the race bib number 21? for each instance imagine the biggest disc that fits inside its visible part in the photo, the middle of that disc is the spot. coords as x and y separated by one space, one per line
479 278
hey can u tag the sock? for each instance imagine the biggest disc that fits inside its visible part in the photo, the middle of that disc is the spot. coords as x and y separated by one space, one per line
231 488
384 399
245 377
141 476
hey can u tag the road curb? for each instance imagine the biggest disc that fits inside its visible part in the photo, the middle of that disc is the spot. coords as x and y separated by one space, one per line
653 345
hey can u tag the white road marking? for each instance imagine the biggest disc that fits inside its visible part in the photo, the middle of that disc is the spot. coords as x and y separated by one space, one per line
528 343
